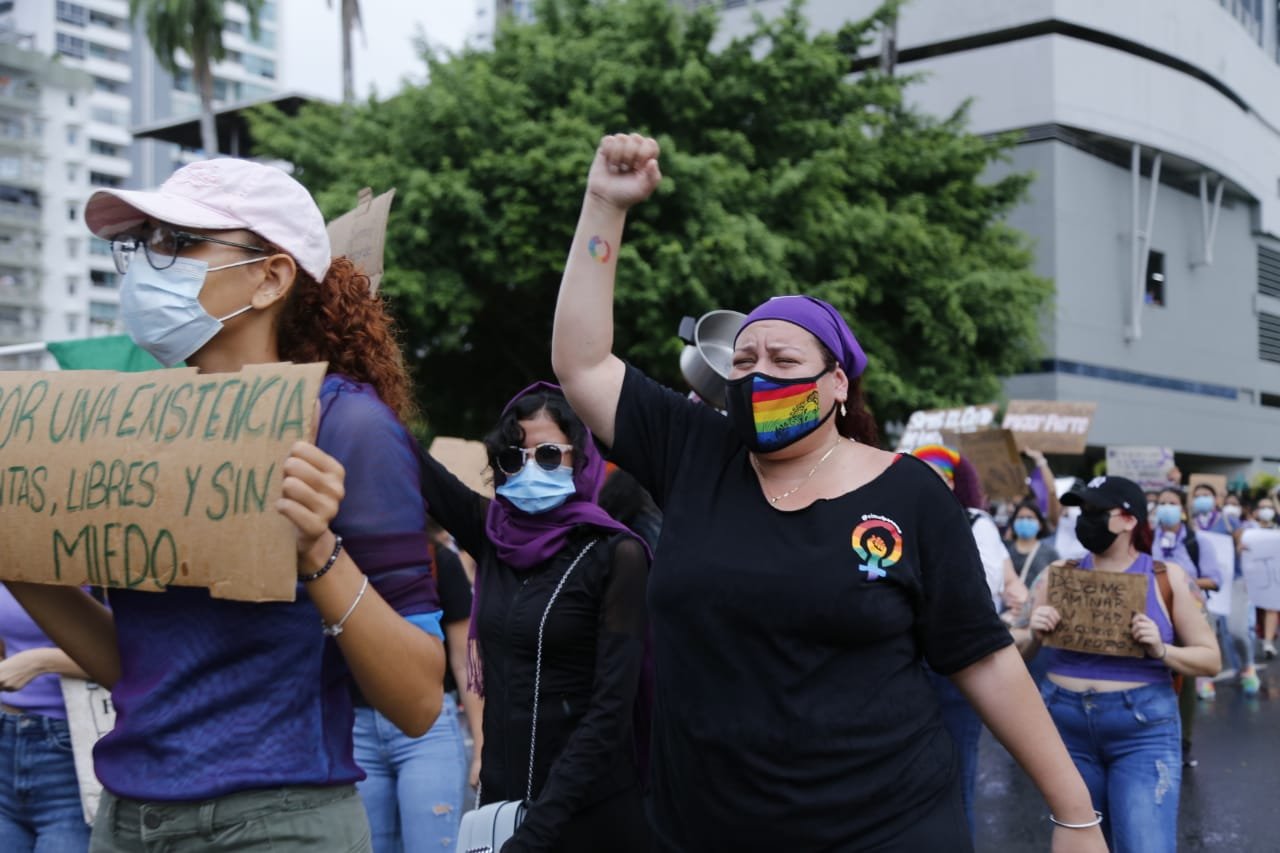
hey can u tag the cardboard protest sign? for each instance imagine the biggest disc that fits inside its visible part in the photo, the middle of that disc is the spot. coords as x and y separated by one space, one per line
466 460
926 427
1223 547
1097 610
90 715
361 233
1217 482
995 456
155 479
1149 467
1050 426
1260 565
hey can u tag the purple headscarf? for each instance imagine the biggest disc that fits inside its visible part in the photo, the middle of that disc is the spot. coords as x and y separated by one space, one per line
523 541
821 320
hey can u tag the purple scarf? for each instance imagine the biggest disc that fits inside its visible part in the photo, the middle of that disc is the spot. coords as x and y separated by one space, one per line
821 320
523 541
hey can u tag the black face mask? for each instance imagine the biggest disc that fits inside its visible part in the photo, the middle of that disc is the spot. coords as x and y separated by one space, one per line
1092 529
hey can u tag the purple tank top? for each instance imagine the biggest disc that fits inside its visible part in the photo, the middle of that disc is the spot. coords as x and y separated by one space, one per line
1114 667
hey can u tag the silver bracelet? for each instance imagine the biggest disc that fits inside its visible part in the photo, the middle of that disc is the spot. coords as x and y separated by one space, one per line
1097 819
336 628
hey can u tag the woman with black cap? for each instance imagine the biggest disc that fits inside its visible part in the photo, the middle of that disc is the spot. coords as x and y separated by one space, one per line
1119 715
801 577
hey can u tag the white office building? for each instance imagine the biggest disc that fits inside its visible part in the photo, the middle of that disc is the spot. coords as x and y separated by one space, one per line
127 88
1153 129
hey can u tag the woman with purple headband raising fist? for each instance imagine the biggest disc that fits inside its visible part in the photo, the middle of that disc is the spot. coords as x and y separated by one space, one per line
801 577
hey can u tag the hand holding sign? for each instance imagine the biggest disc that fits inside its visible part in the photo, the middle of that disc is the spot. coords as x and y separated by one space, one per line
1096 611
310 495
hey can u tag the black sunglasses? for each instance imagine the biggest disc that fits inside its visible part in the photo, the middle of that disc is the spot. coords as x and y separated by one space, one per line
549 456
162 245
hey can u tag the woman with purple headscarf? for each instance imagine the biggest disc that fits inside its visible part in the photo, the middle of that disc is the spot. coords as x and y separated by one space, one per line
801 577
552 568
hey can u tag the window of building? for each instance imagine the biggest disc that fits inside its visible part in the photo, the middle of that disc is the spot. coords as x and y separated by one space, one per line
73 284
73 134
72 13
73 46
265 38
106 149
1155 279
1268 336
101 179
234 27
73 323
102 19
114 87
260 66
71 100
103 312
11 168
106 115
268 11
100 247
11 127
73 211
110 54
1269 272
104 278
73 247
73 172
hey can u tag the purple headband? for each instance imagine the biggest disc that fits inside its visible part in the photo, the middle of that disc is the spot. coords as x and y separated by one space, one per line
821 320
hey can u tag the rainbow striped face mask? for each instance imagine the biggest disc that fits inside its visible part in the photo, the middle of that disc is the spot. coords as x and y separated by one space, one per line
770 413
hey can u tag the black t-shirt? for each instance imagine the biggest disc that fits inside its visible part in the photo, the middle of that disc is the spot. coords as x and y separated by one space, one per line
454 591
792 708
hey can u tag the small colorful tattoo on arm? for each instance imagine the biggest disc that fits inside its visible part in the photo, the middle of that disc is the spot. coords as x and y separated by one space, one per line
599 249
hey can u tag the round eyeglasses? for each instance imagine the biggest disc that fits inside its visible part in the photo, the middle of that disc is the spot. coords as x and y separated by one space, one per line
162 246
548 456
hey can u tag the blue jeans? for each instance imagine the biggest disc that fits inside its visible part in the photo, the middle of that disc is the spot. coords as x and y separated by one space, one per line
414 789
1126 745
965 727
40 809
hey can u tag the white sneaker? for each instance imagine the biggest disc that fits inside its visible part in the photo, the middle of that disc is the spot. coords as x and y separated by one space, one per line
1268 649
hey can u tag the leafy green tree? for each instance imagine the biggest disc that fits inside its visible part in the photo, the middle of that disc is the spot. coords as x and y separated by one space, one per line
783 173
193 27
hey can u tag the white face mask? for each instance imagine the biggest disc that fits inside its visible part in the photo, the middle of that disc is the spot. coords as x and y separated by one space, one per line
1231 511
1266 514
161 309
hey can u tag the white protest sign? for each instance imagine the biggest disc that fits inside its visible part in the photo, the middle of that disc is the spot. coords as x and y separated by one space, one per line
1260 565
925 427
90 715
1149 467
1224 555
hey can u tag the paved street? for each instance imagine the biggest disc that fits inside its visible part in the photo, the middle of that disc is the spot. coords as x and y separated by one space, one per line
1230 802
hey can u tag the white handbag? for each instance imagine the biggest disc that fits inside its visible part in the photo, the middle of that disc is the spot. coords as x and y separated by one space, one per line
486 829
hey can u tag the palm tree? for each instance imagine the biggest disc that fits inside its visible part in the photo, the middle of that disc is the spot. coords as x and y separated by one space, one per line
351 21
195 28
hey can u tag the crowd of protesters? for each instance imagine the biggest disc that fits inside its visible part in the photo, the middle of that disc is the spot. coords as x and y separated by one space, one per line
688 659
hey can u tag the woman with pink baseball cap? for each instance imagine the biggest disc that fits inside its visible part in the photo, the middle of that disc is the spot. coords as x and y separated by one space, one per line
801 578
234 726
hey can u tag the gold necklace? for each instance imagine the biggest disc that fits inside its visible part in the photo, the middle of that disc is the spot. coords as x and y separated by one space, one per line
804 482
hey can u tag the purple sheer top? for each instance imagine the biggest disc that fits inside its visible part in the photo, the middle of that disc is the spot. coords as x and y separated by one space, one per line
221 696
1114 667
43 695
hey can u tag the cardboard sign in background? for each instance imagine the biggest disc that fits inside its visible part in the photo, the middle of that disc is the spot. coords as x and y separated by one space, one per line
1097 610
466 460
1149 467
926 427
1260 565
1050 426
361 233
995 456
155 479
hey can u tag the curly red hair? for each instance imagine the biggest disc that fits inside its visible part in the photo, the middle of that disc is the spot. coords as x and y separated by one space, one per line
340 321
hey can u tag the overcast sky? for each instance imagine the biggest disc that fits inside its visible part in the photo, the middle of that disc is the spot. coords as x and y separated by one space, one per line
311 46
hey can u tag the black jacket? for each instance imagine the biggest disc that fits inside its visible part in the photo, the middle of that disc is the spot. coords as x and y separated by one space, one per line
593 647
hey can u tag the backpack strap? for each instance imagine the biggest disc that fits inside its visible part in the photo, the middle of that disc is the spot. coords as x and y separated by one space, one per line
1161 572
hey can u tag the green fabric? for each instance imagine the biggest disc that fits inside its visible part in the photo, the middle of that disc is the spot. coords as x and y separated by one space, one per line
115 352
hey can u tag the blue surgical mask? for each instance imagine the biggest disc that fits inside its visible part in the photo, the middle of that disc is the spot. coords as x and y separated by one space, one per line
1169 515
1026 528
534 489
161 309
1203 504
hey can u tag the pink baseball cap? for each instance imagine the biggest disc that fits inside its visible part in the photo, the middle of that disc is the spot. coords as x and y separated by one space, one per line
223 194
